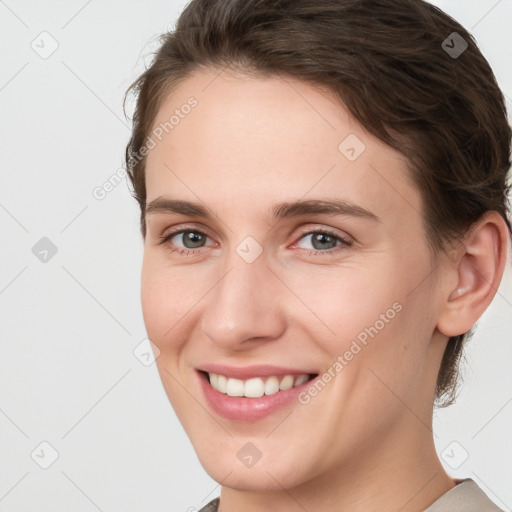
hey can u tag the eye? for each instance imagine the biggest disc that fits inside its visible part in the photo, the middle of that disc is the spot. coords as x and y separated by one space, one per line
323 241
190 240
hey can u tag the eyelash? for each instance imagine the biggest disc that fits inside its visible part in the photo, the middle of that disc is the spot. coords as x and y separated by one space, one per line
311 252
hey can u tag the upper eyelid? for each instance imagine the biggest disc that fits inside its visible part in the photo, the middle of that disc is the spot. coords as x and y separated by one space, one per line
330 231
302 230
177 231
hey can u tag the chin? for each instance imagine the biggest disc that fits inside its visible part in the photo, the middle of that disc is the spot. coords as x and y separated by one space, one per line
269 473
256 479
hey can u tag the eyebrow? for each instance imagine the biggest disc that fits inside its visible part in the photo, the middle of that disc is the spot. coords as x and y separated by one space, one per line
279 211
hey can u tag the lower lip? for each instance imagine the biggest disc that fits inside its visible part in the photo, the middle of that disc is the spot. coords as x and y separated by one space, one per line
248 409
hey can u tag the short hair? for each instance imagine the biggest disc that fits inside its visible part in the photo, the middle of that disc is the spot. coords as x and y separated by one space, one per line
389 62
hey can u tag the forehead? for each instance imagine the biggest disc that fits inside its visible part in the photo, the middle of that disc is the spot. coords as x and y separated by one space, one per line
270 138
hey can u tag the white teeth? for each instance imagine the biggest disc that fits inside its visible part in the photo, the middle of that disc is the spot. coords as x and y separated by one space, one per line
222 383
300 380
255 387
235 387
271 386
286 383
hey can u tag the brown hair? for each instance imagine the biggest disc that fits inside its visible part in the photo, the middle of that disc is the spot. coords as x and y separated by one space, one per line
389 63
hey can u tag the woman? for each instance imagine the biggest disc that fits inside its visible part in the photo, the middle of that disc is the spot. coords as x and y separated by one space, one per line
322 186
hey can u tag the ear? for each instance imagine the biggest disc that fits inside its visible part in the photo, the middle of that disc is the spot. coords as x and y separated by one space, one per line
478 265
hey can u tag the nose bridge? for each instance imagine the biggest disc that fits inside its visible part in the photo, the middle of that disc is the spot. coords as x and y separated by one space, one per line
244 303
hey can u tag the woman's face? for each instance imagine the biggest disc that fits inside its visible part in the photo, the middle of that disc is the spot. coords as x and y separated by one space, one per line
303 254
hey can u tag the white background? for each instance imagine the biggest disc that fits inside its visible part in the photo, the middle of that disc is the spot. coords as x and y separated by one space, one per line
68 375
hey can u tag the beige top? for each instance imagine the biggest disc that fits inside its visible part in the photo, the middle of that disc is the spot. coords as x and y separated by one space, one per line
466 496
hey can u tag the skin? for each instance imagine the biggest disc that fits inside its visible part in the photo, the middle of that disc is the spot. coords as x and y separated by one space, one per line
365 441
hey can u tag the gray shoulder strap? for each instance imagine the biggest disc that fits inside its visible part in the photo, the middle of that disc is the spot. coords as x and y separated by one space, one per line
464 497
212 506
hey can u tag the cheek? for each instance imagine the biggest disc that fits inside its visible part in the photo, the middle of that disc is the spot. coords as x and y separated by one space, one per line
159 299
351 304
169 298
151 300
368 317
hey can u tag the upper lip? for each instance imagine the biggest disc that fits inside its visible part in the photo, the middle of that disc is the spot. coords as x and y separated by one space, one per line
247 372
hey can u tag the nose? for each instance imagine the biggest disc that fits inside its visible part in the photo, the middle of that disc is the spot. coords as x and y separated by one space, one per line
244 306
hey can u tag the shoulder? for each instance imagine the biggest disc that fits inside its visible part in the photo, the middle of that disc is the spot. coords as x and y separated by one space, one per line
212 506
466 496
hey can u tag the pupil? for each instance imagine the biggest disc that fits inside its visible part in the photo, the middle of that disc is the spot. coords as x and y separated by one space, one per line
194 238
322 238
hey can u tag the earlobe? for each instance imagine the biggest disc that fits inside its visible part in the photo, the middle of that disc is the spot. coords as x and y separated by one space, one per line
479 267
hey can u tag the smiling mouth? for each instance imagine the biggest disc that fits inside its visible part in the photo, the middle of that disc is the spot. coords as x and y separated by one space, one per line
256 387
